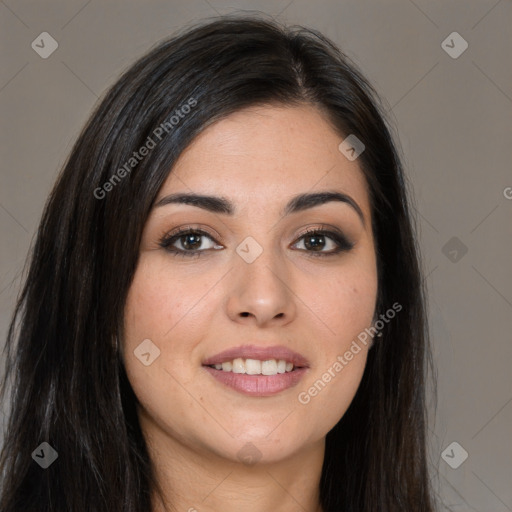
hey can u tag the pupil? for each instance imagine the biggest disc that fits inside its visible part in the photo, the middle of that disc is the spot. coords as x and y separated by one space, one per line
196 242
315 242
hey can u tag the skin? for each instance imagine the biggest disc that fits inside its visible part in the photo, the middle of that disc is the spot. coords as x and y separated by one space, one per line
192 308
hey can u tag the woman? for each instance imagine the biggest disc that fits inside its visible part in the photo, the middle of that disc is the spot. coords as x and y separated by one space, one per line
224 308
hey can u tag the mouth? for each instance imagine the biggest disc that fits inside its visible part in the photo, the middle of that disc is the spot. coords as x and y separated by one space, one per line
255 366
257 371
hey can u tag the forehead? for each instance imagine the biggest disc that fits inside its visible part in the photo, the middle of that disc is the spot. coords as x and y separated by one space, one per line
265 154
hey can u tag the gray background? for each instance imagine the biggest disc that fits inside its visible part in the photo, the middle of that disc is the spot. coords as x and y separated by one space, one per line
452 117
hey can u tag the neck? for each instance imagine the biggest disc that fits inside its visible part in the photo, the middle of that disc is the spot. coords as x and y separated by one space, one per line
194 480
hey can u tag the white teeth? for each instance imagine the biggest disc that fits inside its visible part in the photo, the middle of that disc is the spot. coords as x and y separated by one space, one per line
269 367
252 367
255 366
281 366
238 365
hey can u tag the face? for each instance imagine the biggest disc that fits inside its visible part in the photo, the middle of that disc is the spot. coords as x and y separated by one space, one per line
261 275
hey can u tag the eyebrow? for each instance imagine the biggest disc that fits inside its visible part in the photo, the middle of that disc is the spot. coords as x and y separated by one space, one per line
296 204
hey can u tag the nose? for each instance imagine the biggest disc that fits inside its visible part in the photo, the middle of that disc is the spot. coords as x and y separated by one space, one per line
261 292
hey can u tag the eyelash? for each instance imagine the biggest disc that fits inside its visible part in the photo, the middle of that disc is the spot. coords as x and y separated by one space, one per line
166 242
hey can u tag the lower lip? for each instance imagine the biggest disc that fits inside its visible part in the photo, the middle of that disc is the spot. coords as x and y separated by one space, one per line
258 385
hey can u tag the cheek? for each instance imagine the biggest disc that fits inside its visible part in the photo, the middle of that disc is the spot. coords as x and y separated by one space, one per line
159 302
330 392
346 304
168 308
160 308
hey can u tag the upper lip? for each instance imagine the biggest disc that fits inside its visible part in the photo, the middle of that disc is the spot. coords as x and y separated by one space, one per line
258 352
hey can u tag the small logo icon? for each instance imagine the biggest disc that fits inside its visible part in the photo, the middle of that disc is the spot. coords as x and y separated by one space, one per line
454 455
147 352
454 45
454 249
249 249
507 192
45 455
44 45
351 147
249 454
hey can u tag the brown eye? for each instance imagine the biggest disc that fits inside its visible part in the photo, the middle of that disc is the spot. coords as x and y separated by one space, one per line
315 241
188 242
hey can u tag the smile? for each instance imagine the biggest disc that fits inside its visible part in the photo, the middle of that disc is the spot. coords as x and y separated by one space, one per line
257 371
255 367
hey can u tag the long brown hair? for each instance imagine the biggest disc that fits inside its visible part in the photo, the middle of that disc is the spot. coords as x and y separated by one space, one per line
69 387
